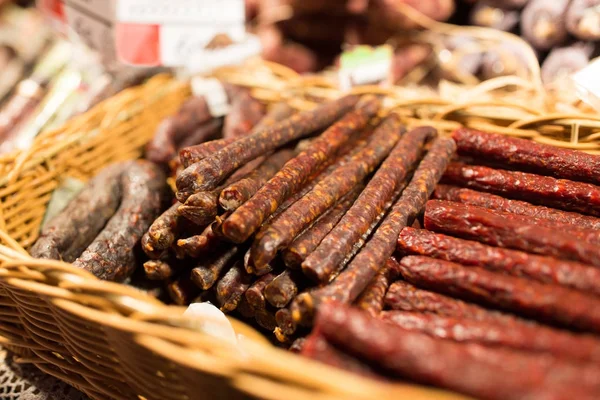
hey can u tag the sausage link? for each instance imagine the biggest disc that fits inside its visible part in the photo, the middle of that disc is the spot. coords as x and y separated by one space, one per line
372 299
326 193
68 234
307 242
471 369
281 290
247 219
494 202
161 234
158 270
182 290
209 172
196 245
405 297
551 303
483 225
373 202
245 112
232 286
523 337
193 154
255 295
239 192
469 253
111 255
537 189
352 281
207 272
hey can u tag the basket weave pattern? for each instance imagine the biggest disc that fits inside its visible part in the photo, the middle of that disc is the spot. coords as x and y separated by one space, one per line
113 342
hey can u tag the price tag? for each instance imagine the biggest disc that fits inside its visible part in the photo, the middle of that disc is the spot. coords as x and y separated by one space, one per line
365 65
587 83
166 12
214 93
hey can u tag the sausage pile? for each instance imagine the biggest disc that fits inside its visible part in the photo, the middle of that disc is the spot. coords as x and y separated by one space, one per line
470 263
498 297
302 209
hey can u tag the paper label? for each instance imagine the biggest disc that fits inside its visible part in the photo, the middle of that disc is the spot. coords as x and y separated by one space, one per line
365 65
587 83
206 60
214 12
214 93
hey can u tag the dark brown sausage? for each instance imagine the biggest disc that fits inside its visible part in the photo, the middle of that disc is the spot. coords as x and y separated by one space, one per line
537 189
232 286
528 155
305 243
523 337
208 131
326 193
162 232
209 172
111 255
353 280
582 19
469 253
255 295
68 234
192 154
471 369
182 290
245 112
535 300
207 272
285 322
196 245
487 200
158 270
372 299
486 226
248 218
281 290
372 203
241 191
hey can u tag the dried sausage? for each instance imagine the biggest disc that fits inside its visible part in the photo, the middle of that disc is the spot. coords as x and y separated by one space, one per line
241 191
192 154
471 369
68 234
265 319
194 246
483 225
325 194
531 156
111 255
158 270
232 286
371 205
182 290
543 23
535 300
285 322
582 19
281 290
209 172
207 272
523 337
537 189
468 253
372 299
245 112
208 131
406 297
352 281
162 232
305 243
247 219
255 295
492 201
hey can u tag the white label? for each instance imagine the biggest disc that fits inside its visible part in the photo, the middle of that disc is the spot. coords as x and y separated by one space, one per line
587 82
214 93
96 34
206 60
179 43
365 74
98 8
181 11
214 322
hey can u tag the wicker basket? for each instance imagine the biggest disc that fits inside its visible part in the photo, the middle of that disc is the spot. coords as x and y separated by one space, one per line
113 342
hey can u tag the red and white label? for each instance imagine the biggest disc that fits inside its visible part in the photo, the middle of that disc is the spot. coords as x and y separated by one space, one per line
153 32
